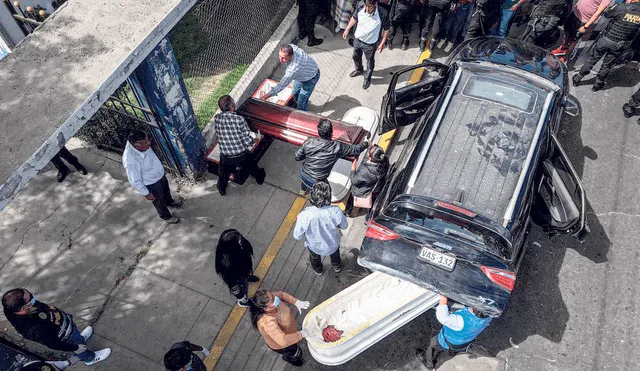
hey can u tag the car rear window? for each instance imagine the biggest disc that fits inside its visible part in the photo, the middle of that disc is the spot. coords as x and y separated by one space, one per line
501 92
450 225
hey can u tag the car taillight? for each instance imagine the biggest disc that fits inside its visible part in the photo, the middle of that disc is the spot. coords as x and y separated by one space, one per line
457 209
379 232
504 278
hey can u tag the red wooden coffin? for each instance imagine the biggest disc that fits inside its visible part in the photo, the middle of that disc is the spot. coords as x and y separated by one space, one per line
294 126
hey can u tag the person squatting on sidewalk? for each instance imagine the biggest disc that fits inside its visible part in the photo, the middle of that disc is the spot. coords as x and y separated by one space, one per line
276 323
146 175
63 170
49 326
400 16
320 154
180 357
459 330
613 42
234 264
321 223
302 70
371 22
234 138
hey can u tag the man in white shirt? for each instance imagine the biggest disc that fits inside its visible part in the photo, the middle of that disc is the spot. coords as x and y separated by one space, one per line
371 19
146 175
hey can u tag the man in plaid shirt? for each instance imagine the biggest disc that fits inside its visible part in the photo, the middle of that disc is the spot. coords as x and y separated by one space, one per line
235 140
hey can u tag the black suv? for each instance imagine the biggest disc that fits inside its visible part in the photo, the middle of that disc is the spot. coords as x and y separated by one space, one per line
481 161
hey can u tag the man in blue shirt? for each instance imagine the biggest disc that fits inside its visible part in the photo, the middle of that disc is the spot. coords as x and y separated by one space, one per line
301 69
321 223
459 330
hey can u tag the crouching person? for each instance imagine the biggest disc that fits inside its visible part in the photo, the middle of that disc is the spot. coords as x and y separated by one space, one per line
181 357
459 330
321 223
270 314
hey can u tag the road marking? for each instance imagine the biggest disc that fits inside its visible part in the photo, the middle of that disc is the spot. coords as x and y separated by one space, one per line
417 73
230 325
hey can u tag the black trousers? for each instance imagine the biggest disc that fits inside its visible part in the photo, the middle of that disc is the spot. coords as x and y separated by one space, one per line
307 13
432 21
316 260
291 354
162 194
403 21
244 161
433 351
369 51
64 154
635 99
610 50
481 22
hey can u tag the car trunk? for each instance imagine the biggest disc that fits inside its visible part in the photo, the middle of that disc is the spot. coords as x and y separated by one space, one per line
465 282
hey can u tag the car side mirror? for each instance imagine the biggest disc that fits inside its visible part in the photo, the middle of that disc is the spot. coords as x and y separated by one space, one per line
571 106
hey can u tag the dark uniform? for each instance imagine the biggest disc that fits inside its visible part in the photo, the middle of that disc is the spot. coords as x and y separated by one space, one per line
307 12
63 170
45 324
484 15
400 15
629 109
431 18
613 42
546 16
196 363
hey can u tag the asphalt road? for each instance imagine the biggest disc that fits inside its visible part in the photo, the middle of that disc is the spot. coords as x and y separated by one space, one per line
575 306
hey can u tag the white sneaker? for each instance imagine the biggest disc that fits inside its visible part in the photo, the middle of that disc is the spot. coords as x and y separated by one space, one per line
60 364
448 48
87 332
101 355
441 43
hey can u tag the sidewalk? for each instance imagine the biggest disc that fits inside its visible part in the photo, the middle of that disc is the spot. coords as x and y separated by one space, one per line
95 248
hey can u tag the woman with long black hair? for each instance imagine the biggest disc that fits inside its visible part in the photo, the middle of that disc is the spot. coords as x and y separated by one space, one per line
370 172
234 264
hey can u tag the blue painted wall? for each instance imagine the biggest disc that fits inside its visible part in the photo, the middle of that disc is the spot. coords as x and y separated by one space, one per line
160 77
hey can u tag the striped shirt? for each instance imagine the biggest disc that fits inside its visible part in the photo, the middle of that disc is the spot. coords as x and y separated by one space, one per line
233 133
300 68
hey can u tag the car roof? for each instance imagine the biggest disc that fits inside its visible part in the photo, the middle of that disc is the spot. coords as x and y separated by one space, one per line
480 146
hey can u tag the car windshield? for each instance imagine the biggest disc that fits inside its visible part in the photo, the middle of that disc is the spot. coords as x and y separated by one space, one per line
450 225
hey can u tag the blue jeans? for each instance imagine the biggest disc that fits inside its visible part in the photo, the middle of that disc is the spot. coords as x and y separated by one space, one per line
453 23
505 20
302 91
307 181
76 338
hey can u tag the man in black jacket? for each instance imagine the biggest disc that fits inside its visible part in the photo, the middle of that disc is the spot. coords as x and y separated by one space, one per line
320 154
49 326
546 16
181 357
484 15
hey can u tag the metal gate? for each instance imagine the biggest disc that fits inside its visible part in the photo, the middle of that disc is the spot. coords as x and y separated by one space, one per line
127 110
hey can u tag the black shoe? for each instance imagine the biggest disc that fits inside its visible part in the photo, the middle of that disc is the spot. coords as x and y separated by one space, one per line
176 204
405 44
294 362
260 179
423 45
355 73
366 84
627 110
390 44
423 358
302 35
313 41
253 278
576 79
243 303
318 273
222 192
81 169
337 268
62 174
598 85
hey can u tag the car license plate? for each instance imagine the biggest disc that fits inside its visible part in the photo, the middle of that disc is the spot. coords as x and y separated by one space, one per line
437 258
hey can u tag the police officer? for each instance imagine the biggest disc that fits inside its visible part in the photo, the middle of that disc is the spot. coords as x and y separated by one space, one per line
459 330
546 16
629 109
613 42
484 15
400 16
307 12
49 326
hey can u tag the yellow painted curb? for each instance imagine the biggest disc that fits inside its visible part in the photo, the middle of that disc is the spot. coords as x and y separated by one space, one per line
230 325
417 74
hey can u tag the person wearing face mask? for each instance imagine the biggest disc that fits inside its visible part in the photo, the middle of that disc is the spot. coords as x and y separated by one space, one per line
181 357
146 175
270 314
49 326
320 223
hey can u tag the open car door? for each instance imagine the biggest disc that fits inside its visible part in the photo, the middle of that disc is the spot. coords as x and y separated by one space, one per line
560 204
411 92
